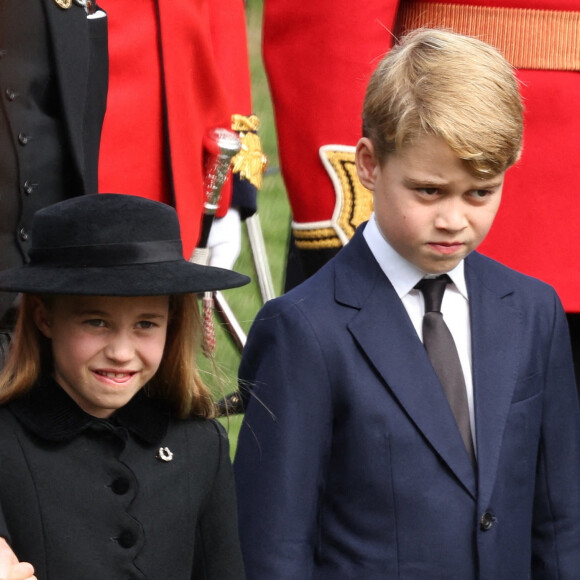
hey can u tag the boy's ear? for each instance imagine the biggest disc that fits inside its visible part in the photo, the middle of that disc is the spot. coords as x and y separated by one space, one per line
366 163
41 316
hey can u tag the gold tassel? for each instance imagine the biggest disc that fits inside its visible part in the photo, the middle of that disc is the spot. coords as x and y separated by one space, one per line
250 163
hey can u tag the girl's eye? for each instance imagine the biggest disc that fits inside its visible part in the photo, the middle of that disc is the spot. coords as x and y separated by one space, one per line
96 322
146 325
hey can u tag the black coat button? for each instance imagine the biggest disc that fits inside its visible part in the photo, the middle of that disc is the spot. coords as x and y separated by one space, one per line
23 138
23 234
486 522
120 486
10 94
127 539
28 187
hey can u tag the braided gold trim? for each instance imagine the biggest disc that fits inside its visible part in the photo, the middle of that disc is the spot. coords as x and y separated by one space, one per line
528 38
316 239
354 203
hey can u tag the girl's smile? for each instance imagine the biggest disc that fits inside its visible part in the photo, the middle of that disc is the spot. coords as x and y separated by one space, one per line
117 376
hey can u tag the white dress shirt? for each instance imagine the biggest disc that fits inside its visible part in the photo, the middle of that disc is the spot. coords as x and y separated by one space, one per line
455 306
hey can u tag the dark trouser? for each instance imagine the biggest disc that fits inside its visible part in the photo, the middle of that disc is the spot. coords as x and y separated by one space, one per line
7 323
301 264
4 346
574 326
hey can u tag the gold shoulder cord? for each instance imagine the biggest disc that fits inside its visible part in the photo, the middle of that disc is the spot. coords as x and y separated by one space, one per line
250 163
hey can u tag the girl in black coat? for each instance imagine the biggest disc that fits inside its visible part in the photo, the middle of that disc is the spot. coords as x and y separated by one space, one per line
111 465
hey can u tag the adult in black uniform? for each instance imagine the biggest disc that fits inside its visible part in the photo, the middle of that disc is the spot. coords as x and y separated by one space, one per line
53 87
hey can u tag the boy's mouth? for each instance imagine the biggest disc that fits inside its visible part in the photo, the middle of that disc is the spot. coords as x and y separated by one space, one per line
446 247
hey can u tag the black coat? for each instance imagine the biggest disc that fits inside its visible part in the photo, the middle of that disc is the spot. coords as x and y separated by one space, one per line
53 89
88 498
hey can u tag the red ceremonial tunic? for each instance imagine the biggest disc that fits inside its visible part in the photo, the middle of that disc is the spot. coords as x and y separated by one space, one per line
131 158
177 69
318 75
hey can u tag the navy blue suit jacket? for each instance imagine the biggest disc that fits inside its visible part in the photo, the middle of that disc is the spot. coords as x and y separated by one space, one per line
350 464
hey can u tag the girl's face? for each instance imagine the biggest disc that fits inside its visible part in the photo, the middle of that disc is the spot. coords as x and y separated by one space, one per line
104 348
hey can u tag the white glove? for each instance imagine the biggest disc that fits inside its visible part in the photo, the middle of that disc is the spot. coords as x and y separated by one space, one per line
225 240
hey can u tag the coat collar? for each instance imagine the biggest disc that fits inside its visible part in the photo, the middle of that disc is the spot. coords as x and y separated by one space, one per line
51 414
384 331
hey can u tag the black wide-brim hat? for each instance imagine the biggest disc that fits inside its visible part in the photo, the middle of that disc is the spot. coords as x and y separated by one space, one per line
111 245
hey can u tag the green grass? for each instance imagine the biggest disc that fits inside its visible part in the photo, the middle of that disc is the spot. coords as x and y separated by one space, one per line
275 219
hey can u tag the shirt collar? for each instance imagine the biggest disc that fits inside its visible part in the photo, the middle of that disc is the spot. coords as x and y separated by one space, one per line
49 412
401 273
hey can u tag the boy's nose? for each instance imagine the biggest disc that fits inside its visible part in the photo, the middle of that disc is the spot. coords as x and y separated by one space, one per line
451 216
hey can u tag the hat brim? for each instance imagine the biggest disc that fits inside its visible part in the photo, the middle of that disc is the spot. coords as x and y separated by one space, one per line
178 277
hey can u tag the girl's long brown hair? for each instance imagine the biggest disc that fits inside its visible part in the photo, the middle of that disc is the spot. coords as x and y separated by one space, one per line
177 380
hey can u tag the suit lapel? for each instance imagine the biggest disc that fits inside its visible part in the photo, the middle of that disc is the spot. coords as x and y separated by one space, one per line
496 344
385 333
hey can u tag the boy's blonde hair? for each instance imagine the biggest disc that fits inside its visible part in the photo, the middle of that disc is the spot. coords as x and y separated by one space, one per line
455 87
177 380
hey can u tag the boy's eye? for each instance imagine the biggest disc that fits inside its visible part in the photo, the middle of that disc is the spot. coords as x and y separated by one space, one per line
146 325
428 190
96 322
480 193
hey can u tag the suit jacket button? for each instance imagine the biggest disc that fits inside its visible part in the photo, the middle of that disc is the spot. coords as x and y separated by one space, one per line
23 138
486 521
23 234
10 94
28 187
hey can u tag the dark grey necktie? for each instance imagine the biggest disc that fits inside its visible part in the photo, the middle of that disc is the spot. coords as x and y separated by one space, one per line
441 349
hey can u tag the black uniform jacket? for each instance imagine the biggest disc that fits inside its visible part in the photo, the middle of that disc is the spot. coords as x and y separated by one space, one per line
53 90
140 495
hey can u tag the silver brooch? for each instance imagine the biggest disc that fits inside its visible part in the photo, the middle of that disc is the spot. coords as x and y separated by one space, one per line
165 454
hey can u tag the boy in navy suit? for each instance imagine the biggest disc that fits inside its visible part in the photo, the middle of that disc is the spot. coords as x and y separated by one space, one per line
357 459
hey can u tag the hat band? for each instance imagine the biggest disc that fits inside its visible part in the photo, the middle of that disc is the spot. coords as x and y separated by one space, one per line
109 254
